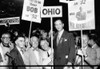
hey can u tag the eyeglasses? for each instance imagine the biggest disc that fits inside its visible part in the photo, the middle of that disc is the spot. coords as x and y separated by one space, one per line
5 37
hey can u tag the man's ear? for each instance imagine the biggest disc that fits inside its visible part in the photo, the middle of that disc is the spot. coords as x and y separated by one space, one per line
63 24
1 39
16 42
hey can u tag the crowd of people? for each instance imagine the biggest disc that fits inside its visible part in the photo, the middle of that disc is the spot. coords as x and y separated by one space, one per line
17 51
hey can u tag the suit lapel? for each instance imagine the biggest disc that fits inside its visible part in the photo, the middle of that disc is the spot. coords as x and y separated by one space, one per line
55 40
62 38
19 56
65 34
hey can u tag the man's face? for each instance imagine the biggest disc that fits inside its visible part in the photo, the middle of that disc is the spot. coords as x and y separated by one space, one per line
44 44
5 38
91 42
34 42
20 42
59 25
85 40
44 35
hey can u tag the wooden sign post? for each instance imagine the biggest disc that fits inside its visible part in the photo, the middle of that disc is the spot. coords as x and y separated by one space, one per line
50 12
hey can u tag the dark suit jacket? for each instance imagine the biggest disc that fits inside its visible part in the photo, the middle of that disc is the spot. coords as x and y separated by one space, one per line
18 59
65 51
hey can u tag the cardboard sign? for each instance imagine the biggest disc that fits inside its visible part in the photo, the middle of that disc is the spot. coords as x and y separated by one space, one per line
12 20
31 10
81 15
51 11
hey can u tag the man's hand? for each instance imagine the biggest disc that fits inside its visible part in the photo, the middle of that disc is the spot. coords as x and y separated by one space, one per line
69 63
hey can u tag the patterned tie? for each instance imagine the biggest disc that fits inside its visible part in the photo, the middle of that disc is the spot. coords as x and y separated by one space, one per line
22 51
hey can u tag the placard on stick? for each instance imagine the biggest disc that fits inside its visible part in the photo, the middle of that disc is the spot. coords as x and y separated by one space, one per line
31 10
50 12
81 17
81 12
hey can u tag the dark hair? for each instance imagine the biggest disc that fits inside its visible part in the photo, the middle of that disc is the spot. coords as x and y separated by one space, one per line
20 35
94 38
7 32
59 20
36 33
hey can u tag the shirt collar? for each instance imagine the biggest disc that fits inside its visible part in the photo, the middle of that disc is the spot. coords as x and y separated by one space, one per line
18 48
60 33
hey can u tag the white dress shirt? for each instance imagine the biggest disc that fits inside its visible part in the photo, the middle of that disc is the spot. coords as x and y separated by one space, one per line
3 50
37 55
60 33
59 36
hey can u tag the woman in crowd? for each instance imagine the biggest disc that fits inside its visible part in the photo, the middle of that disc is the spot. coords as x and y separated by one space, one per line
47 53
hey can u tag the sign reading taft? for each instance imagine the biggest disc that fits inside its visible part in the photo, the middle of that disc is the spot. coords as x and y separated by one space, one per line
11 20
81 15
51 11
31 10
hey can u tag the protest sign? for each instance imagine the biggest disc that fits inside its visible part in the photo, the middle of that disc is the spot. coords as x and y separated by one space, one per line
51 11
11 20
81 15
31 10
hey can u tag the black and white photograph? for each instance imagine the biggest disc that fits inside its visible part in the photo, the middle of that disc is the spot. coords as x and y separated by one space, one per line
49 34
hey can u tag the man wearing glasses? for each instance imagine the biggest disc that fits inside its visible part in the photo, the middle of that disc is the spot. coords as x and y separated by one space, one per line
5 46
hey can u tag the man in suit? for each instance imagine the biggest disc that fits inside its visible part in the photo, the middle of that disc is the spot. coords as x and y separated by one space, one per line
64 46
17 57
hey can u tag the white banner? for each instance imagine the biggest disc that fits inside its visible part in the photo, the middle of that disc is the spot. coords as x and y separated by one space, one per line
31 10
81 15
51 11
11 20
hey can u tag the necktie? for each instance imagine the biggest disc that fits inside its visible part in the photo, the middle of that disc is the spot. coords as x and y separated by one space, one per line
22 51
58 39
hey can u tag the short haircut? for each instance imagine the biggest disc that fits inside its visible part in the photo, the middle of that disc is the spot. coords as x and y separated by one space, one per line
59 20
20 35
6 33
